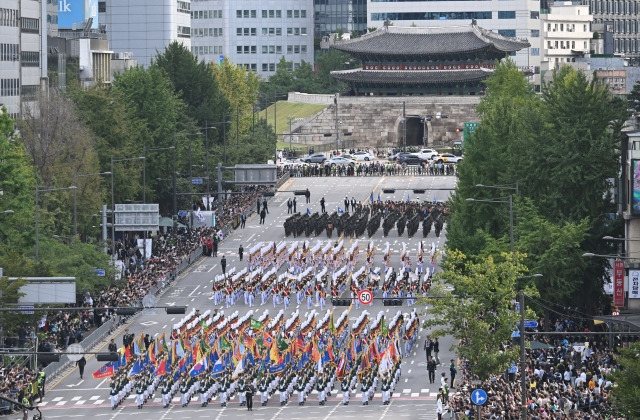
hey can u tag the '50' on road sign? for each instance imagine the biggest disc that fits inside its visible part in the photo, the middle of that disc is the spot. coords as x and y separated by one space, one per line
365 297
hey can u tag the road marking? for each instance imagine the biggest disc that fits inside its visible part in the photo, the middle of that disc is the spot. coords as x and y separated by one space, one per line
194 290
164 327
331 412
211 269
103 381
409 369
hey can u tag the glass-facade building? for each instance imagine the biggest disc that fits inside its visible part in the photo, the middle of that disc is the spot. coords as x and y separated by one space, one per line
332 16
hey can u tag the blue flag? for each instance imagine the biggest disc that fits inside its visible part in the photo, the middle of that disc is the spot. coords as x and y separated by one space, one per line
276 368
371 197
379 199
136 368
218 367
308 211
435 200
340 211
408 197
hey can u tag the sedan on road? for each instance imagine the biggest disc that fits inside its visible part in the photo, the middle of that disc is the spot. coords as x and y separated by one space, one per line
447 158
317 158
340 161
411 159
361 155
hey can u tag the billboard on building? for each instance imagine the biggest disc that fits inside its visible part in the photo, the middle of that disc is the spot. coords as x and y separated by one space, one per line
635 186
76 12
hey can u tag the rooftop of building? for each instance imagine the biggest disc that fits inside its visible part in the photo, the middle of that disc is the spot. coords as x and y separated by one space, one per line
420 41
410 77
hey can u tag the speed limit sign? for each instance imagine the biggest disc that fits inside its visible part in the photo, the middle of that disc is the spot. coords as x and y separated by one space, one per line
365 296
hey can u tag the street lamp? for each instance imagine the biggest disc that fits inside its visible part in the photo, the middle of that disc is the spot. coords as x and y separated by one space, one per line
113 205
510 201
513 187
144 166
73 187
618 256
75 196
523 361
290 118
6 212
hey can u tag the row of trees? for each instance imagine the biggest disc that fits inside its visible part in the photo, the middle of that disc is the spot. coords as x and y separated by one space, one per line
70 138
557 154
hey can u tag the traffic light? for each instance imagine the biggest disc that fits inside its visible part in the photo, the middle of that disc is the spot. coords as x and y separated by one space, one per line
268 193
126 311
388 191
107 357
392 302
419 191
176 310
300 192
48 358
341 302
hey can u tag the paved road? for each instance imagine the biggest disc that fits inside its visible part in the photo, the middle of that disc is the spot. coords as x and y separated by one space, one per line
70 397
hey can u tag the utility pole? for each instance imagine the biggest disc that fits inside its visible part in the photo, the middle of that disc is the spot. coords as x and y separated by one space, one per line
335 102
173 179
219 189
290 118
404 124
523 361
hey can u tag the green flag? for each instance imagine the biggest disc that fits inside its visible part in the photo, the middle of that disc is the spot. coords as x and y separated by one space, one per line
282 345
224 344
383 328
255 324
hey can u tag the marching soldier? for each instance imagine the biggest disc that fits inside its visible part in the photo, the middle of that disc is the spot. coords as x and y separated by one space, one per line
386 389
345 388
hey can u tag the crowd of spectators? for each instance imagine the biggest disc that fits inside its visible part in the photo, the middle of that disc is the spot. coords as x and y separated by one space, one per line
57 330
564 380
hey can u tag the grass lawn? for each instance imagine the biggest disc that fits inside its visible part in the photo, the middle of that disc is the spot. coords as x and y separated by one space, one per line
284 109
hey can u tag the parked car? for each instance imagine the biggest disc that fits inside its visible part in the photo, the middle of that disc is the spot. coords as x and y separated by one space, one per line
317 158
395 157
292 163
362 155
447 158
427 154
341 161
411 159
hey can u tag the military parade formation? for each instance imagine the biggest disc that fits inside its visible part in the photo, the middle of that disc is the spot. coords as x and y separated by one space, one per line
361 218
228 359
211 356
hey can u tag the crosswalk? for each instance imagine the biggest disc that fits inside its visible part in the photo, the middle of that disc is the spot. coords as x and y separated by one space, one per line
99 400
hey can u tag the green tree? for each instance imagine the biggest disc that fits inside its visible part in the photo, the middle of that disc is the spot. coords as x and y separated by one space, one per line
150 100
626 393
633 98
193 83
328 61
478 312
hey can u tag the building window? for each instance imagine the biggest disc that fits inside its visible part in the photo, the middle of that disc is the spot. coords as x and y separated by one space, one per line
278 31
535 52
254 67
303 49
238 31
534 15
278 14
246 31
272 49
254 49
264 49
535 33
506 14
278 49
102 7
289 31
296 14
253 14
303 31
303 14
254 31
507 32
30 58
9 17
397 16
289 14
272 13
272 67
265 67
184 32
238 14
184 7
239 49
289 49
10 87
296 31
246 49
296 49
9 52
264 14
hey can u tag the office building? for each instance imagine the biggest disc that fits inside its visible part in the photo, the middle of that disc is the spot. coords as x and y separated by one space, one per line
145 28
333 16
254 34
20 53
618 19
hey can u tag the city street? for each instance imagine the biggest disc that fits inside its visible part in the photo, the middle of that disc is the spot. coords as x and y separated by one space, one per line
70 397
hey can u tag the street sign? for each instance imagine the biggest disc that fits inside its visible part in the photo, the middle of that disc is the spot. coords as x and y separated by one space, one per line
183 213
99 272
479 396
196 181
27 312
75 352
137 217
531 324
365 297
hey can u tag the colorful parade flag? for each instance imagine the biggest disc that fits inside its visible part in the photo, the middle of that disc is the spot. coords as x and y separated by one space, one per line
371 197
106 371
201 366
267 339
162 368
255 324
282 344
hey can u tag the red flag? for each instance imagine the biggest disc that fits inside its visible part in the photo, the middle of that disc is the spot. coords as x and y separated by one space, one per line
105 371
162 368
